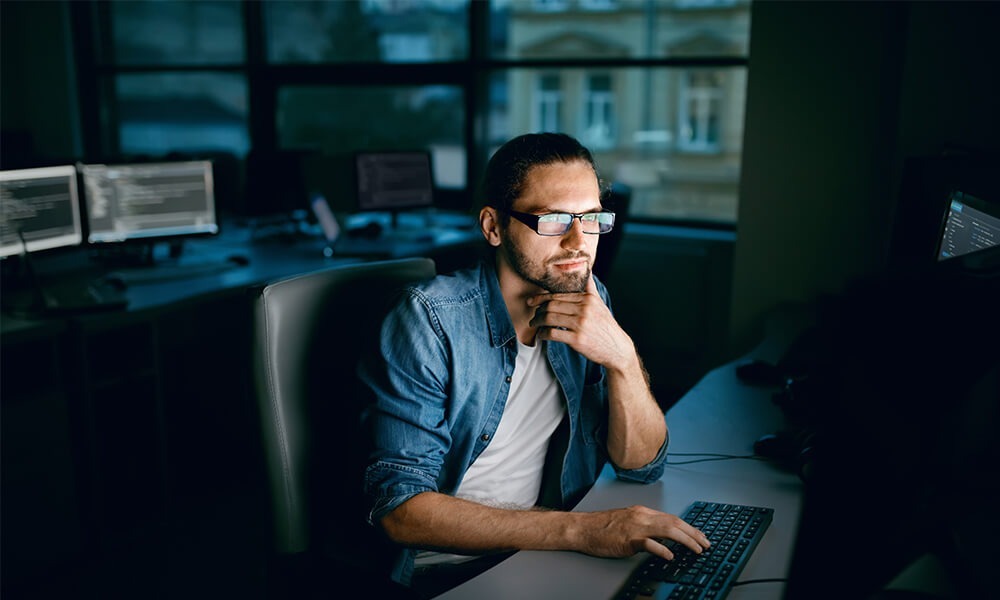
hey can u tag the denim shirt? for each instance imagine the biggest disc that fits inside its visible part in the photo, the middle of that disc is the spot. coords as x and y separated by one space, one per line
440 381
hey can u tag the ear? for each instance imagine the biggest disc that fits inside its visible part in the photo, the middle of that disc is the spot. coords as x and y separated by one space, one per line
489 224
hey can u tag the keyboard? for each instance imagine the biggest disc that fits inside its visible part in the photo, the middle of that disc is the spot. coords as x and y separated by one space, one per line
734 531
95 296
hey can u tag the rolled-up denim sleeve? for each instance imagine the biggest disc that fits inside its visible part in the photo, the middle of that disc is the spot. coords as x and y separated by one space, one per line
654 469
650 472
408 379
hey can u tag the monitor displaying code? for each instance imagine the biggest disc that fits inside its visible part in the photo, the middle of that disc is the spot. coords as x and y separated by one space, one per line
39 210
394 180
149 200
970 225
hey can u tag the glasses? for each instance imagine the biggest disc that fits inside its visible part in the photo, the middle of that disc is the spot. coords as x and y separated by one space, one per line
558 223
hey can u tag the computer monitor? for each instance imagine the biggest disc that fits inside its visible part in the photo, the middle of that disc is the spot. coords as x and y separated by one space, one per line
394 181
900 401
926 188
146 202
970 224
39 210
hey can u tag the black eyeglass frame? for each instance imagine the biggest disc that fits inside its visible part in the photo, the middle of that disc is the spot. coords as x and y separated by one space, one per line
532 221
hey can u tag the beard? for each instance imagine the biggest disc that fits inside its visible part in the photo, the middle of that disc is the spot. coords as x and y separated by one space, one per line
545 277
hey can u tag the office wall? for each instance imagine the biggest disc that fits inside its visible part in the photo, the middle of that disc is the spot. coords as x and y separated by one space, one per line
839 94
38 108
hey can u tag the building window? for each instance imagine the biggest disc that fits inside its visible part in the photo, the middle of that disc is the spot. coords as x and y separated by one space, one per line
548 103
598 129
699 111
627 77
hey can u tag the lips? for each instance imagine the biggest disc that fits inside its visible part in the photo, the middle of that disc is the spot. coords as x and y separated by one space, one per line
571 263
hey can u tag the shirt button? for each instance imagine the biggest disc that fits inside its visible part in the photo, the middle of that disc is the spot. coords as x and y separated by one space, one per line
507 379
485 437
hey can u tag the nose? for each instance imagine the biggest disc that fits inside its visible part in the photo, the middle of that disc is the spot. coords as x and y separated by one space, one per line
575 238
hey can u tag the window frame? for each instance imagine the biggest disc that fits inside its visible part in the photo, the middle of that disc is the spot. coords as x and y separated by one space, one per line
99 119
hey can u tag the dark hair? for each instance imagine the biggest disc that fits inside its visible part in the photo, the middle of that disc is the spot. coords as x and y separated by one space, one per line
510 164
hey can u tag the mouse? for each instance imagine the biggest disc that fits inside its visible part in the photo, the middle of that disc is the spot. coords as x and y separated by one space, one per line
371 231
238 260
760 372
115 281
780 446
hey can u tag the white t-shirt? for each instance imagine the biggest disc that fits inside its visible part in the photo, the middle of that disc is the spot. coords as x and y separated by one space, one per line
508 473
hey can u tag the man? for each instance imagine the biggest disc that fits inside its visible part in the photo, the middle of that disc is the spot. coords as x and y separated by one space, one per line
501 390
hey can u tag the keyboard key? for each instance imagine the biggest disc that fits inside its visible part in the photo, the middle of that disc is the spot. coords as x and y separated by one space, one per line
734 530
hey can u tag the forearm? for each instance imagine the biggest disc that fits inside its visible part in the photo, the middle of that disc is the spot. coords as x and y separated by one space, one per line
441 522
636 426
436 521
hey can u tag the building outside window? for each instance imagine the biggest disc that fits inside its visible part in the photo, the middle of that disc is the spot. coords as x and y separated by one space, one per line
598 128
548 100
656 88
700 105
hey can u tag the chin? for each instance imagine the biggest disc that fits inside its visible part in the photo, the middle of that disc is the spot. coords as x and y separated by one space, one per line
568 283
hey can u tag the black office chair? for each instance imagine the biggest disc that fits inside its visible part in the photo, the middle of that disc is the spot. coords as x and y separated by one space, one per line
309 331
616 199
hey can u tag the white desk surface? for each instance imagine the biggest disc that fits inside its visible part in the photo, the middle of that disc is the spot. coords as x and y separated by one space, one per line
719 415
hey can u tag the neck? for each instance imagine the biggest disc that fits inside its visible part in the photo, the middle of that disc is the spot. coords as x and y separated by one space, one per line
516 292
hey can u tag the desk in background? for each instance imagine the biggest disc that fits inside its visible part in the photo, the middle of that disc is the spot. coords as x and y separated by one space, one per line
132 433
719 415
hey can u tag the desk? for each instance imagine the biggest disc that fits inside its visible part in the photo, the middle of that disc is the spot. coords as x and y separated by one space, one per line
131 432
719 415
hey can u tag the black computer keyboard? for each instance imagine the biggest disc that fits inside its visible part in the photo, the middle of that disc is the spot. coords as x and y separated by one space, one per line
734 531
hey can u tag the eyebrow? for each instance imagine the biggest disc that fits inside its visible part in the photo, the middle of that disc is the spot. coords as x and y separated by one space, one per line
548 209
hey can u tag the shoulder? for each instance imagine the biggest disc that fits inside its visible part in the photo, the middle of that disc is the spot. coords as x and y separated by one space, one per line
456 287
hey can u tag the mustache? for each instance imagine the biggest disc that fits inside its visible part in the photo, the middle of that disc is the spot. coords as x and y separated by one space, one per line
570 256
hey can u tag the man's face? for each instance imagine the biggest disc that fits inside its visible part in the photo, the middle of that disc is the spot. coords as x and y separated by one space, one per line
554 263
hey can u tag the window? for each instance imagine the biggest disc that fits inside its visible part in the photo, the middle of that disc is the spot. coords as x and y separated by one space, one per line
340 120
598 112
700 107
655 88
388 31
166 99
548 99
172 112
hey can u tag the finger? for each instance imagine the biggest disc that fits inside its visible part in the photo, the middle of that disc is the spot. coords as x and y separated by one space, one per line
690 537
556 334
656 548
556 320
591 285
696 534
539 299
574 297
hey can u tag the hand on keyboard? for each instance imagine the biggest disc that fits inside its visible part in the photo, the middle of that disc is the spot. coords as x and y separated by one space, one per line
734 531
626 531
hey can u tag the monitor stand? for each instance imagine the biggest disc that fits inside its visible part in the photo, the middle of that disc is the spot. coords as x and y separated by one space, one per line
23 294
118 256
289 228
26 296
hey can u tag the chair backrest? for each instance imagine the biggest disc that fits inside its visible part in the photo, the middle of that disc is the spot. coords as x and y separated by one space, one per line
309 331
617 199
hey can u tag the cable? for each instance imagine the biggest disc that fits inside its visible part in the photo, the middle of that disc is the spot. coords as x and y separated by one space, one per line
712 457
771 580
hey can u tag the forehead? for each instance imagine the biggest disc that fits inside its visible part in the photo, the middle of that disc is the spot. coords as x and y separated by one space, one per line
564 186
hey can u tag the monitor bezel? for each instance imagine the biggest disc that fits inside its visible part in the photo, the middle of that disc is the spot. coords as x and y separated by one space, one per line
362 206
149 236
72 240
971 200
